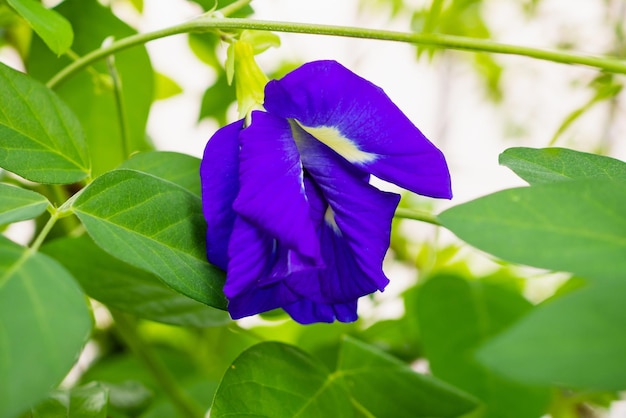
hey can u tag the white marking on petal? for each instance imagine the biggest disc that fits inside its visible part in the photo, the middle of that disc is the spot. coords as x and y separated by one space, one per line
343 146
329 217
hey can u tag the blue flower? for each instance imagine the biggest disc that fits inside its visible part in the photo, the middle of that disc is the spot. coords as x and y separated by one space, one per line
291 215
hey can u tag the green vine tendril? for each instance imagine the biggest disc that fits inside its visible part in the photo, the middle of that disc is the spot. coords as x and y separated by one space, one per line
210 23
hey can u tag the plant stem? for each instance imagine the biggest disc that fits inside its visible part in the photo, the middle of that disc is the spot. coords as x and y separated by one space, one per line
32 249
127 330
208 23
417 215
119 105
54 216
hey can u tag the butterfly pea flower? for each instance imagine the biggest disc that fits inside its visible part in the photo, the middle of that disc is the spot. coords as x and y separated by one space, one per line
291 214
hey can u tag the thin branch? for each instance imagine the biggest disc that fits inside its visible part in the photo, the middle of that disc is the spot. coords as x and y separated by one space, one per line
119 105
208 23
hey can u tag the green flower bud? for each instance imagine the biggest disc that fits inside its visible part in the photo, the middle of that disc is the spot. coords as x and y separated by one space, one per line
250 80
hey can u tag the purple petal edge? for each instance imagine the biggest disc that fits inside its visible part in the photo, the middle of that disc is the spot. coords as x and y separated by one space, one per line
326 94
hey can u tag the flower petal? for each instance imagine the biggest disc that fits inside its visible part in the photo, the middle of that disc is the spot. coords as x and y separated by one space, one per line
219 174
251 252
256 259
261 299
271 189
306 311
248 285
354 221
359 122
345 279
263 276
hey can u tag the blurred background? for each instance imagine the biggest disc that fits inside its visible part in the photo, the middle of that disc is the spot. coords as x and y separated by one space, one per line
472 106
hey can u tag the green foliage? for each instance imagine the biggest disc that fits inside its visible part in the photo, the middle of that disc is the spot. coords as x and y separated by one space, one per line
457 316
137 4
571 219
90 95
605 88
118 210
41 341
366 382
177 168
53 28
211 5
384 386
42 140
550 165
129 289
461 18
19 204
214 98
165 87
576 340
578 226
135 391
89 401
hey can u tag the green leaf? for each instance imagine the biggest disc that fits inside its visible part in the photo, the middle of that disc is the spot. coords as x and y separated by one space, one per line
386 387
217 99
605 88
549 165
396 336
204 45
279 380
216 5
200 390
181 169
165 87
129 289
219 96
138 4
89 401
17 204
16 31
154 225
577 226
90 93
132 387
432 16
400 337
456 317
134 390
128 397
577 340
53 28
44 323
55 405
41 138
